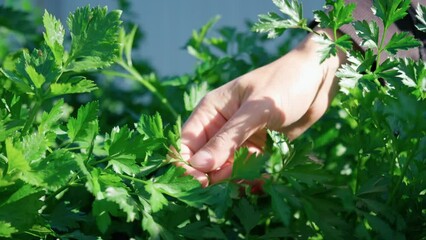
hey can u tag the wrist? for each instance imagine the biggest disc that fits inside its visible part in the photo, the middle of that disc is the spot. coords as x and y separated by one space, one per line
311 48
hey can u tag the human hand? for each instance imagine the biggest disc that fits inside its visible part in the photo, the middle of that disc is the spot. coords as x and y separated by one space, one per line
287 95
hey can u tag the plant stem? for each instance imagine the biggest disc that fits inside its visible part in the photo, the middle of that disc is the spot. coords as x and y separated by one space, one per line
137 76
132 178
104 160
380 49
31 117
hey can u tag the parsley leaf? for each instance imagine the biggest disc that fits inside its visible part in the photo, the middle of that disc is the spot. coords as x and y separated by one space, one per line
74 85
368 32
79 128
421 16
54 36
247 215
339 15
94 38
196 93
348 74
390 10
275 25
247 166
6 229
401 41
48 120
151 126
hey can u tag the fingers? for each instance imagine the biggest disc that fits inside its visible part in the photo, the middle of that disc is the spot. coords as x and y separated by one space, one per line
225 170
250 118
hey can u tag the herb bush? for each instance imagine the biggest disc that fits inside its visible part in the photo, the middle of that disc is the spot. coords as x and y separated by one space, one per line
359 172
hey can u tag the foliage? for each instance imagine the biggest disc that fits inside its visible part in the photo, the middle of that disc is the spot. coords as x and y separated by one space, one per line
359 172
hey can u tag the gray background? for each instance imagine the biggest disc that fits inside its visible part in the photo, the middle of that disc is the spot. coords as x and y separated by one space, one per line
168 24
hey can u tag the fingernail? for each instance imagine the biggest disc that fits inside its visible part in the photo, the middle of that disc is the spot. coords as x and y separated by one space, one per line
202 161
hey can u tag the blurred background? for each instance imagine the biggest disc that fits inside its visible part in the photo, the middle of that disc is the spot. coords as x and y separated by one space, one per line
166 25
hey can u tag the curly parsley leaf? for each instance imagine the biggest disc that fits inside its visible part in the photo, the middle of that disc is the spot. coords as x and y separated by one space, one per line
94 38
275 25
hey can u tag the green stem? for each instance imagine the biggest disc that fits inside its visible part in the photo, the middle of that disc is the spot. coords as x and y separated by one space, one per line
136 75
104 159
358 173
133 179
31 117
380 49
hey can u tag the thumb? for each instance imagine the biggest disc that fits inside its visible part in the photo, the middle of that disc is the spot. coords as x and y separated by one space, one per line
221 147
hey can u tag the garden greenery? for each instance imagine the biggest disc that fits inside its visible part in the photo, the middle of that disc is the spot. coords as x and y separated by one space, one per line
360 172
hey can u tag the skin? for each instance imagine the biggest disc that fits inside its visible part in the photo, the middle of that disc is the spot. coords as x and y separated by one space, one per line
287 95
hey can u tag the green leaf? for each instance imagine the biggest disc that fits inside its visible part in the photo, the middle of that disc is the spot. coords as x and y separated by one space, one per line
421 17
64 217
348 75
390 10
401 41
48 120
79 128
77 85
94 38
52 172
16 159
124 164
247 166
368 32
279 202
34 147
124 146
33 70
380 226
174 183
24 213
339 15
151 126
22 192
17 19
310 174
247 215
111 188
35 77
413 75
54 36
275 25
196 93
157 199
120 196
156 231
6 229
331 47
126 43
101 210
